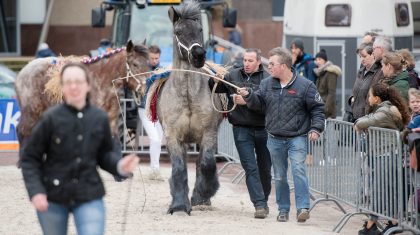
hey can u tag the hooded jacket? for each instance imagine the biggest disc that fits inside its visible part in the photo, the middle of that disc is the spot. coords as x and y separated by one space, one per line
304 66
326 83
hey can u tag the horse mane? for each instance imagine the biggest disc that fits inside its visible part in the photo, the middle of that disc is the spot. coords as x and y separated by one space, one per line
190 10
53 87
99 57
142 50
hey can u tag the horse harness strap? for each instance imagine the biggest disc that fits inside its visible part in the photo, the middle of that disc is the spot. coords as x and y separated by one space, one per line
130 74
188 49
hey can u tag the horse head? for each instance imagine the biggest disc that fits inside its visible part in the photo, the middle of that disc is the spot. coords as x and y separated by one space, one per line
188 33
137 57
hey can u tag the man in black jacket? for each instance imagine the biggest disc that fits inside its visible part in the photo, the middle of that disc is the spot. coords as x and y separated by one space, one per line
294 112
249 131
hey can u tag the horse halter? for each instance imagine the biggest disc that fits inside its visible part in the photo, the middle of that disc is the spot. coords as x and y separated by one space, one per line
130 74
188 49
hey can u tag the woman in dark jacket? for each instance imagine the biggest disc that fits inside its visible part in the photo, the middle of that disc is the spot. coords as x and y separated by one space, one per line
59 163
369 69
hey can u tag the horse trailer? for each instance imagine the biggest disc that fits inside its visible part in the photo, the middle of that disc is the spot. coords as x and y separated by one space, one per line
338 26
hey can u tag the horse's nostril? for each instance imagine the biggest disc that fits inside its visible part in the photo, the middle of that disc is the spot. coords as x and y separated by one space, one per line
198 51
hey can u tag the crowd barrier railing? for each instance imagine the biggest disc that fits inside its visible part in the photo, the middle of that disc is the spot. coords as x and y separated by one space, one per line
369 172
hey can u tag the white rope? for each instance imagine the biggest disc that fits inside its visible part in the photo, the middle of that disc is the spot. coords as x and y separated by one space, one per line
197 72
125 212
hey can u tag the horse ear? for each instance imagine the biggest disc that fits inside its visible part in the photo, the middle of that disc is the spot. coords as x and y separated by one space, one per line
129 46
144 42
173 14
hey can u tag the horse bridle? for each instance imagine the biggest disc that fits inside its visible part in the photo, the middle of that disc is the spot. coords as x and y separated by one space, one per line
188 49
139 83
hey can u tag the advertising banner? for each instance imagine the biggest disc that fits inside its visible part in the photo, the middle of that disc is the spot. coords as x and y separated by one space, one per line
9 118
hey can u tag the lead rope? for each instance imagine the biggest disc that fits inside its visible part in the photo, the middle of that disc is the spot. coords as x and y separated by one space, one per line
197 72
222 97
130 180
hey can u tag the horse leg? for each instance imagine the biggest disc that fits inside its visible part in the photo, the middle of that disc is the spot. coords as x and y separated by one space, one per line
179 178
207 183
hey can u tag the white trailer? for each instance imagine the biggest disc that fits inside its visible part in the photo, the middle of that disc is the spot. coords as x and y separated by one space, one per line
338 27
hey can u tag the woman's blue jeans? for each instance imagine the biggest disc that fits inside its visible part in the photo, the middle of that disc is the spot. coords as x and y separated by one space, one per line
89 218
251 144
294 149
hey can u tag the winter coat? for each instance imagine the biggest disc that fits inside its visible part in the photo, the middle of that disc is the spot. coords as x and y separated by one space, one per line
304 66
413 79
62 154
385 115
326 83
242 115
290 111
45 53
363 83
400 82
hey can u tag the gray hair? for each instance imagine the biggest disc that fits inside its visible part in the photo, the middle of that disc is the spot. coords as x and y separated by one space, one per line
368 47
383 42
256 51
285 57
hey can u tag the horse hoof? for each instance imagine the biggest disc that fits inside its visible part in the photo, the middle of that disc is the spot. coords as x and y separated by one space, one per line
198 202
188 212
185 208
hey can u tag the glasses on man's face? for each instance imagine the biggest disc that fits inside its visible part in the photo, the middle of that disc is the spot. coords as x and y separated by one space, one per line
272 64
74 82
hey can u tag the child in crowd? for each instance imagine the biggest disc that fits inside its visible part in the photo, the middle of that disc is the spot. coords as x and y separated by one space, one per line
414 103
389 110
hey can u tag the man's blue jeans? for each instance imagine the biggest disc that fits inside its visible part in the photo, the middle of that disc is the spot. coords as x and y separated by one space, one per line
295 149
89 218
250 142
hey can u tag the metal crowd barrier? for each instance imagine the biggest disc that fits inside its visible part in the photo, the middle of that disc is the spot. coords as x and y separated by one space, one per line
135 140
227 149
368 172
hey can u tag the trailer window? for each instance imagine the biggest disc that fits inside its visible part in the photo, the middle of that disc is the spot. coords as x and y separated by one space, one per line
402 14
338 15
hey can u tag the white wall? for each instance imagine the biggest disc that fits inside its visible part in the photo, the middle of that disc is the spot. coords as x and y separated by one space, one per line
32 11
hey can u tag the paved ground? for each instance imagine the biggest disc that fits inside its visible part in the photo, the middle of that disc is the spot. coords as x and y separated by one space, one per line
148 201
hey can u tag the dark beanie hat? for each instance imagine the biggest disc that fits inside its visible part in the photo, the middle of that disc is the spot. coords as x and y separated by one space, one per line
322 54
298 42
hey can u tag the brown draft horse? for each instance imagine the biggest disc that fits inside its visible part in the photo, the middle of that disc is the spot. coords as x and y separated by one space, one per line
32 79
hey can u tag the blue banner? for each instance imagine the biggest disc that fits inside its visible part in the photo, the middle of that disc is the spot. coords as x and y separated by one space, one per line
9 118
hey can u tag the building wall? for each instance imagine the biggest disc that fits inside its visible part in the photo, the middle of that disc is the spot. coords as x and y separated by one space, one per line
257 27
70 32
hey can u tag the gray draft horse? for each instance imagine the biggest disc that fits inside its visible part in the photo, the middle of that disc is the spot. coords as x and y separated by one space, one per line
185 111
